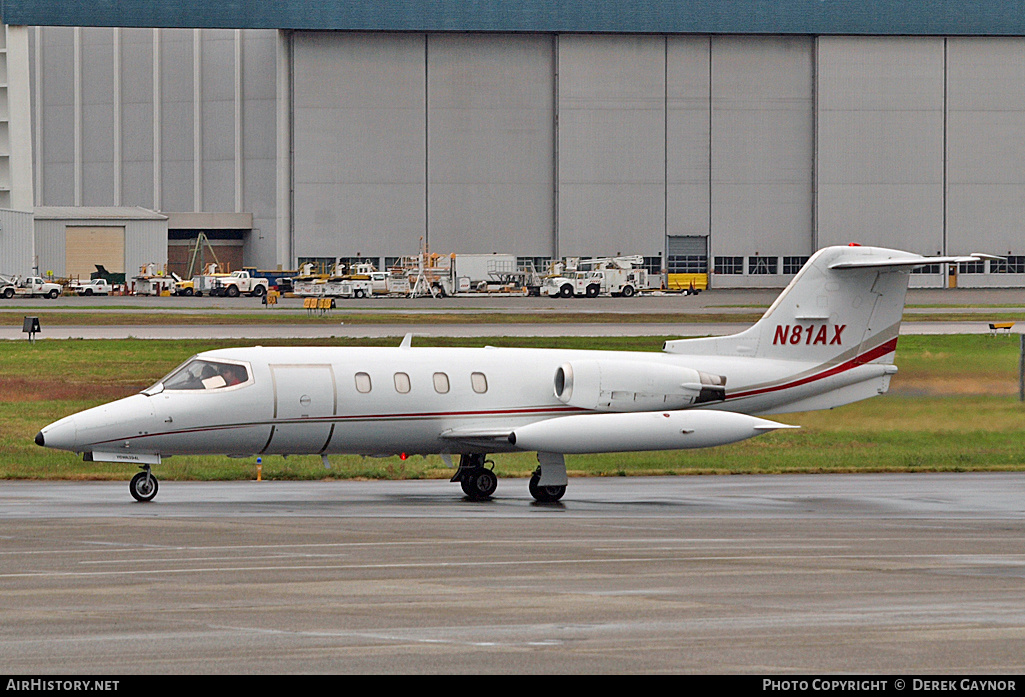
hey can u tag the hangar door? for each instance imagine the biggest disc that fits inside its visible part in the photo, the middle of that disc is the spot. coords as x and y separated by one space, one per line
85 247
687 262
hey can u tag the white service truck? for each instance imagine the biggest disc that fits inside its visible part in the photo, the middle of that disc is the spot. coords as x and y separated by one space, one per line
95 286
616 276
238 283
31 287
586 284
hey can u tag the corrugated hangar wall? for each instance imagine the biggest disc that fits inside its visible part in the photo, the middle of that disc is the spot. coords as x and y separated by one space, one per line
549 144
177 120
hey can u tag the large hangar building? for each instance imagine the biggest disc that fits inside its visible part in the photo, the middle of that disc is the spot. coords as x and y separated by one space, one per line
722 138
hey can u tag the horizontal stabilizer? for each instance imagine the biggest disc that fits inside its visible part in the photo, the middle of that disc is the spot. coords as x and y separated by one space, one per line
909 261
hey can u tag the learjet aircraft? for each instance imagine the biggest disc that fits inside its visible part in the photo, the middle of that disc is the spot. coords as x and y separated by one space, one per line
829 339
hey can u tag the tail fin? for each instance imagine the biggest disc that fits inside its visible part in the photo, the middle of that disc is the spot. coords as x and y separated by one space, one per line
845 304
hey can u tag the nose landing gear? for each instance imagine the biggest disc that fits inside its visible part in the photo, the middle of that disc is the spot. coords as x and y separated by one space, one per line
143 485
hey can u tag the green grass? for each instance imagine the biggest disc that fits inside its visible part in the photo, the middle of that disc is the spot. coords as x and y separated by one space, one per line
686 315
952 407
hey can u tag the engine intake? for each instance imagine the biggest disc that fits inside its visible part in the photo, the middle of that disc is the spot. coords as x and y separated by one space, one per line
624 386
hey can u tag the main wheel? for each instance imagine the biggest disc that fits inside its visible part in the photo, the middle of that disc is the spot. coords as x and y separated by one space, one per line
143 486
480 485
545 494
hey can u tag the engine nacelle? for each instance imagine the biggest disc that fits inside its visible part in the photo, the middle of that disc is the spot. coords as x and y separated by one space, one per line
624 385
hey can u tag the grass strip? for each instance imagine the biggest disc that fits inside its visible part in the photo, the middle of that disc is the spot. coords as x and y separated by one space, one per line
952 407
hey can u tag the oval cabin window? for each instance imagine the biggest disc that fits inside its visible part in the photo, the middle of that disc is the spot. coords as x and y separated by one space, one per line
363 383
441 385
401 383
479 382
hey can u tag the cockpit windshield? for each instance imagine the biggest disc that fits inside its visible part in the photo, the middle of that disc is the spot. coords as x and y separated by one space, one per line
199 374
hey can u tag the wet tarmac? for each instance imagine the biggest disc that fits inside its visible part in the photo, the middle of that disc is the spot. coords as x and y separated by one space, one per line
804 574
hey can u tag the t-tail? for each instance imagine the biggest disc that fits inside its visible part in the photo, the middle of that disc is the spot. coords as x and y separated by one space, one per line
837 322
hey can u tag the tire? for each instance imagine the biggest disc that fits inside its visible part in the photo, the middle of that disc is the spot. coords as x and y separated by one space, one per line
187 292
628 291
566 291
480 485
143 487
545 494
8 293
258 292
592 291
231 291
358 293
52 294
88 291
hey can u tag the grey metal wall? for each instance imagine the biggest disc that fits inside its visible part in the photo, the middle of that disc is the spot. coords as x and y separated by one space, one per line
540 145
880 142
175 120
403 137
359 150
545 144
612 145
145 240
16 242
985 145
762 145
490 143
597 144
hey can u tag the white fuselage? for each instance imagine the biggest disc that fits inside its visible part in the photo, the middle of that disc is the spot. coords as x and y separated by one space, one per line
384 401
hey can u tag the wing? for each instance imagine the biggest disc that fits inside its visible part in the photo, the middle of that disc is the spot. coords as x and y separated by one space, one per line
478 437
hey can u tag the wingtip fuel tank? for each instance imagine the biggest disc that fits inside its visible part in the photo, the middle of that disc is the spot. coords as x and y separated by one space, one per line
636 431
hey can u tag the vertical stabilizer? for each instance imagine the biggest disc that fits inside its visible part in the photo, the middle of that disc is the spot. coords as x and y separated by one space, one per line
844 305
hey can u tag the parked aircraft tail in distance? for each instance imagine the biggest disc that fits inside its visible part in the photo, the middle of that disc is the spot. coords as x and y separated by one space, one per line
829 339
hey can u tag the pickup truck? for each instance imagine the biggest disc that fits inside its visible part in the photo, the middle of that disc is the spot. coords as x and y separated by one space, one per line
31 287
97 286
240 282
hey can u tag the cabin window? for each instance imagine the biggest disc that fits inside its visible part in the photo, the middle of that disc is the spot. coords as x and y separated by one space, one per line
363 383
479 383
401 383
441 383
199 374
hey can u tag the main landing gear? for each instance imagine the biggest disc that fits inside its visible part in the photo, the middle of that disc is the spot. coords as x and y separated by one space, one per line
143 485
478 482
547 484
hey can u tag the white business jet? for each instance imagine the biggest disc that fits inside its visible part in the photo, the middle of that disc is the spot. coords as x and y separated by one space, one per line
829 339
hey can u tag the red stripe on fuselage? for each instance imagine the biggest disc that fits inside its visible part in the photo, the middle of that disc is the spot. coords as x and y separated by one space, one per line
867 357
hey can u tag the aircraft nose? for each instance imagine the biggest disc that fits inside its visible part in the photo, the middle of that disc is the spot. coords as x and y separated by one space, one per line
62 434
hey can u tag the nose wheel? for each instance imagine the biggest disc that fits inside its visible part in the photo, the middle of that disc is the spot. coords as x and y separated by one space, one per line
143 485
